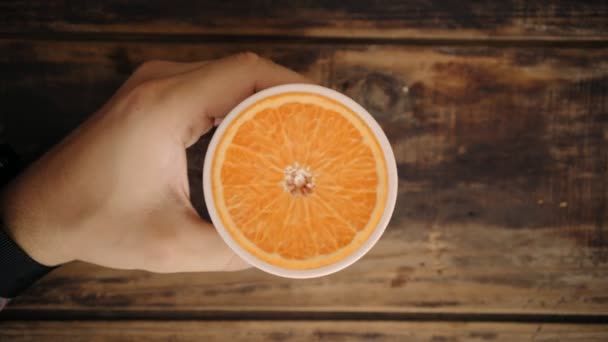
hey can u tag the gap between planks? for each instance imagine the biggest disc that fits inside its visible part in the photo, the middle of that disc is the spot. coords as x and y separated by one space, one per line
557 42
252 315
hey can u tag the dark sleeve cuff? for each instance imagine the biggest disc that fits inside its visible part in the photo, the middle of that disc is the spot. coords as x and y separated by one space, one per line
17 269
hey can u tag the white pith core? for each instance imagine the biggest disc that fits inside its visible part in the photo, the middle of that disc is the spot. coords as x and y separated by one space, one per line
298 180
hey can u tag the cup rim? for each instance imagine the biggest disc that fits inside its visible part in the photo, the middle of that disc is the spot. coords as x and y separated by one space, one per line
391 191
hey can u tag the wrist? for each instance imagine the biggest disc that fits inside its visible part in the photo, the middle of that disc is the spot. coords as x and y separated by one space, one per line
24 223
17 267
19 270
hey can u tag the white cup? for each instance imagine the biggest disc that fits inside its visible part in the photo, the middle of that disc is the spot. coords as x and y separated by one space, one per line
391 170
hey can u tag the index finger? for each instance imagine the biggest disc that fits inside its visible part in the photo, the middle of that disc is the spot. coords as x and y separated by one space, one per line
211 91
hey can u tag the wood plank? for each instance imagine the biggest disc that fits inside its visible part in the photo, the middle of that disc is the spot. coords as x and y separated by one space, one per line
293 331
41 80
503 161
509 19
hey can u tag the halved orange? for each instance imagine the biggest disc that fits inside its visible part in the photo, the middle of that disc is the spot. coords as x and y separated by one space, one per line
298 179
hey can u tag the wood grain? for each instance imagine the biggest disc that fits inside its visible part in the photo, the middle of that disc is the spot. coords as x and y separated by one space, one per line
393 19
50 87
295 331
503 165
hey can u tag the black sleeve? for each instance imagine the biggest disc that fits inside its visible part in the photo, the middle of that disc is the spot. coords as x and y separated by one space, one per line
17 269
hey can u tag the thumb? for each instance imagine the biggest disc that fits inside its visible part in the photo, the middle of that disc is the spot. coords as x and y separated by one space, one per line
199 248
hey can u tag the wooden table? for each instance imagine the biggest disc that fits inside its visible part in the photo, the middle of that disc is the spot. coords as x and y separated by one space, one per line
498 115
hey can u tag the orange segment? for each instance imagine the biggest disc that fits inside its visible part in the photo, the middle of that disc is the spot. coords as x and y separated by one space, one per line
299 180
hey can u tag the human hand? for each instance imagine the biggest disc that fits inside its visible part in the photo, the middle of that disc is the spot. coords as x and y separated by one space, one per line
115 191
